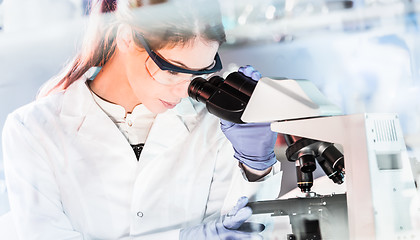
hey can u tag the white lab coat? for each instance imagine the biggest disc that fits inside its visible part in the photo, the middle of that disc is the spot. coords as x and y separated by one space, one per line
71 174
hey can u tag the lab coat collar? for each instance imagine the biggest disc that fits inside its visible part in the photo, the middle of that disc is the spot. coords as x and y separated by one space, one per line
78 100
78 103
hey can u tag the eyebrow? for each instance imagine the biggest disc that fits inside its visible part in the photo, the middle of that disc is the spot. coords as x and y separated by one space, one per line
184 66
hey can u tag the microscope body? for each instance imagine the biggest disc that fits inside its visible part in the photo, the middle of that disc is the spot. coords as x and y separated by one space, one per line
378 176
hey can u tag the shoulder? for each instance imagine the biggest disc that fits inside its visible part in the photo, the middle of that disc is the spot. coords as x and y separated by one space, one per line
31 125
46 110
39 110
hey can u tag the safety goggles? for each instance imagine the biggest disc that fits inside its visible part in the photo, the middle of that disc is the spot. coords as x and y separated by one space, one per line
167 66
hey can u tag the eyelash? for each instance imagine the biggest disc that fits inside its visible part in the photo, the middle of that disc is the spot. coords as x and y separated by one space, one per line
172 72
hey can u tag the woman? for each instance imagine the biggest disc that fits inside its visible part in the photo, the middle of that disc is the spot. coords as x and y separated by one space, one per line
122 153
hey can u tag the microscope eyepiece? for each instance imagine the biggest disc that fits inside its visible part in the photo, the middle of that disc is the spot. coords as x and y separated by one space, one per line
241 83
201 90
225 98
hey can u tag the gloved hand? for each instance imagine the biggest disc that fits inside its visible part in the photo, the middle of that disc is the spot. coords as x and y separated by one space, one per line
223 228
253 142
249 71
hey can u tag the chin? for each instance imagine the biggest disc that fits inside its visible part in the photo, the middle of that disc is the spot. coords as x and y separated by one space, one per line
156 109
160 111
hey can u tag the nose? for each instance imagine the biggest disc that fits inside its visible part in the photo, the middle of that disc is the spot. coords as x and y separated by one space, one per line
181 90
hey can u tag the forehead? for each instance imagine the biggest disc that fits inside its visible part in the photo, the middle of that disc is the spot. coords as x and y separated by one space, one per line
196 54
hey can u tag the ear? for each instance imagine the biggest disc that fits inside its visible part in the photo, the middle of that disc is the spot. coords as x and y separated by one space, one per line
124 38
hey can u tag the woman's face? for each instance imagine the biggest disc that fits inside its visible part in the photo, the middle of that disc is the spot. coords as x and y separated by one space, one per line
161 90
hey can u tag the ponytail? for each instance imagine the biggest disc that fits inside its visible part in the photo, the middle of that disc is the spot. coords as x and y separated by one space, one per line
98 47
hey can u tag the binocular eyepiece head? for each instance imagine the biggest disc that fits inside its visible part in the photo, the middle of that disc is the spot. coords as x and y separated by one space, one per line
225 98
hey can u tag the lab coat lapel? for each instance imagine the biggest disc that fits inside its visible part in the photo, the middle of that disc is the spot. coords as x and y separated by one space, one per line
89 124
76 105
168 130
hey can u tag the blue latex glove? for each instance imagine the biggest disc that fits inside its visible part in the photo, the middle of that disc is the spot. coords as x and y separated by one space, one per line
249 71
223 228
253 142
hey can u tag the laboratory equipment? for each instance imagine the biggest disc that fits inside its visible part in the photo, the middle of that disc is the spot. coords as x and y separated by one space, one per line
225 98
316 217
228 98
379 181
304 152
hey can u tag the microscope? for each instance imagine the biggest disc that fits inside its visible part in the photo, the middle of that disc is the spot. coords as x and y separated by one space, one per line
376 167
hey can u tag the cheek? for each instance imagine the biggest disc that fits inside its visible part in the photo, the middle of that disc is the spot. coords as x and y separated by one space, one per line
148 92
142 86
137 76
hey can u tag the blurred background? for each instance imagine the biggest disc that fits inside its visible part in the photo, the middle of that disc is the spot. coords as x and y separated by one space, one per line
364 55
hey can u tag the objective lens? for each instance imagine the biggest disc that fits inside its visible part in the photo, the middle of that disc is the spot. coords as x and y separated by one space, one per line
336 176
304 179
307 162
333 156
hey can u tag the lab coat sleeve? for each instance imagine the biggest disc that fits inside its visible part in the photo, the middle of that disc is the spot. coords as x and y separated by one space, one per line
33 193
229 183
266 189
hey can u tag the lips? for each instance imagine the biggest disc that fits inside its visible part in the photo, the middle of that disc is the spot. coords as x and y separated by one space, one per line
168 105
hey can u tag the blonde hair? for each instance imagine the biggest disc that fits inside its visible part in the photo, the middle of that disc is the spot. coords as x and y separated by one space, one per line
163 25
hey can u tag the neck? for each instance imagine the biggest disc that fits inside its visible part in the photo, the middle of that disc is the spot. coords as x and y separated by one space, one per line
112 84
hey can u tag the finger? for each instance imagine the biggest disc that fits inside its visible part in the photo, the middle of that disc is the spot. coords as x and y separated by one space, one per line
235 221
255 75
242 202
247 70
238 215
